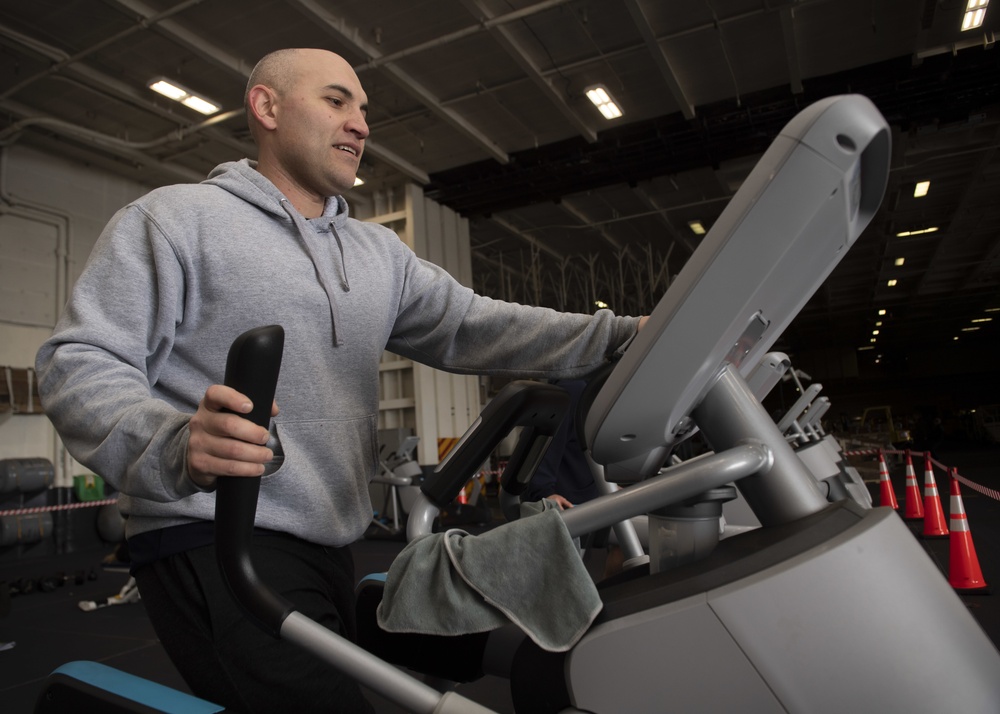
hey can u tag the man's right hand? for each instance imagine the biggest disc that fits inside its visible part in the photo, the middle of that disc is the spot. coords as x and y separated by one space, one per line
560 501
221 442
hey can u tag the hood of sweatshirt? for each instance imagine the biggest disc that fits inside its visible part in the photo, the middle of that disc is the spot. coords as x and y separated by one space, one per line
242 179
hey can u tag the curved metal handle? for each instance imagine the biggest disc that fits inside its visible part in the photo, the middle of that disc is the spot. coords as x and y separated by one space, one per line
540 407
252 369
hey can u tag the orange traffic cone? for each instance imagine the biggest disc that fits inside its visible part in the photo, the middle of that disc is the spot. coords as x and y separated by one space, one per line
964 573
934 524
887 495
914 501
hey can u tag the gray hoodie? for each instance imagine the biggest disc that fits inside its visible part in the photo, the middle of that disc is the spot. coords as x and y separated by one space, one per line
180 273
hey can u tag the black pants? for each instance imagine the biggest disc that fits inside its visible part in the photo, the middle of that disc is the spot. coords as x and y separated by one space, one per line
228 660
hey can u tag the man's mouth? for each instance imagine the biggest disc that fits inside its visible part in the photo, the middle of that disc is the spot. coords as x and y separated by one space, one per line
349 149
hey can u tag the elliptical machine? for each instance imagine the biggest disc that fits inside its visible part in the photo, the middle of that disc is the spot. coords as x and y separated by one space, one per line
827 607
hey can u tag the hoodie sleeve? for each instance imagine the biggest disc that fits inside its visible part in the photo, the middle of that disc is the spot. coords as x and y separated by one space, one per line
96 370
447 326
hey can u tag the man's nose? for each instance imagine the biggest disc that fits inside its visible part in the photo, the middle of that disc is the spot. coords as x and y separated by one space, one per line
358 126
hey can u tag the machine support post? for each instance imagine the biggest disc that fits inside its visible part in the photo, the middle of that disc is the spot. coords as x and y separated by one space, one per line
730 414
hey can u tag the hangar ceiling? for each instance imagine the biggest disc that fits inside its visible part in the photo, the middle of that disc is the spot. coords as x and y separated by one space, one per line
482 102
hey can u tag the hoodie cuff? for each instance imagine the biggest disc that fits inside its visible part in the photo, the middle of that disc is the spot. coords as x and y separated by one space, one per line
617 354
185 485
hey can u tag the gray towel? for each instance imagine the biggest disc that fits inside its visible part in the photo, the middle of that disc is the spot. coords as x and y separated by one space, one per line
528 572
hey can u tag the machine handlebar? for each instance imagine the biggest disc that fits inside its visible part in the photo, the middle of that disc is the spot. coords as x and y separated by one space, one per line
252 369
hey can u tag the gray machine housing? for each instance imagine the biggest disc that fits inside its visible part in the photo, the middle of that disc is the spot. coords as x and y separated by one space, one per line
846 625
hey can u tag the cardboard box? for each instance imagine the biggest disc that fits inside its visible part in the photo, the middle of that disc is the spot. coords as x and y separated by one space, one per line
19 391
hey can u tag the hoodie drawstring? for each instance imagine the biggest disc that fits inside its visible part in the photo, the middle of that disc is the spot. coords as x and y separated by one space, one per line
322 268
346 285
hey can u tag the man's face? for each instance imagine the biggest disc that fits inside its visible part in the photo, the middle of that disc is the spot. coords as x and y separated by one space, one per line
321 127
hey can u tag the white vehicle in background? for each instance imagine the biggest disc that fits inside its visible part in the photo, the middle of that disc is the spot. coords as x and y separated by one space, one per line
987 422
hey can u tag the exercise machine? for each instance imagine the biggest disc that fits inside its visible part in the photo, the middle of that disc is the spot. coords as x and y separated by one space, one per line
399 472
828 607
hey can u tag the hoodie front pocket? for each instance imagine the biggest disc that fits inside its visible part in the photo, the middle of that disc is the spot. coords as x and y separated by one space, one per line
323 480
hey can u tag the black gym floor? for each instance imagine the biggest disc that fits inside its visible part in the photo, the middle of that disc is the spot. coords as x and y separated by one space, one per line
45 629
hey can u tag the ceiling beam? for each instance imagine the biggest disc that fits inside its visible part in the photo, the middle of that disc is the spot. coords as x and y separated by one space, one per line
73 70
91 138
397 162
619 247
528 238
660 58
791 49
177 32
349 35
241 68
661 216
505 38
961 213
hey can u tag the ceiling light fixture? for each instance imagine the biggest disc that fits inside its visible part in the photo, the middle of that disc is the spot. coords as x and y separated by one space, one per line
904 234
600 304
172 90
891 283
975 13
696 227
899 262
983 319
358 181
969 329
921 189
604 102
881 312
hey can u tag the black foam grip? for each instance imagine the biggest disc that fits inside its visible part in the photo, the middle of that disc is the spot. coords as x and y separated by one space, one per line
252 369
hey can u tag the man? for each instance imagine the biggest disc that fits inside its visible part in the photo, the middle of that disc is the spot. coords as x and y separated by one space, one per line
563 475
130 376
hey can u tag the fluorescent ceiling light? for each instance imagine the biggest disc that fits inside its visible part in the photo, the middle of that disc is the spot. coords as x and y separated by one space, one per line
920 232
891 283
921 189
975 13
983 319
199 105
866 347
881 312
899 262
358 181
969 329
168 90
696 227
185 96
600 304
604 102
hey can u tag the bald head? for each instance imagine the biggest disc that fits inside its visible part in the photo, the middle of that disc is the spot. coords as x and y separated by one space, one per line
281 69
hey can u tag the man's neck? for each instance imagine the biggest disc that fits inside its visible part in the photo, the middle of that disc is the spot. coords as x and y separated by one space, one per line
308 204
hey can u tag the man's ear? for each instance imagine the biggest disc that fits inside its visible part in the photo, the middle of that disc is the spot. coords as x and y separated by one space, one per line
262 102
